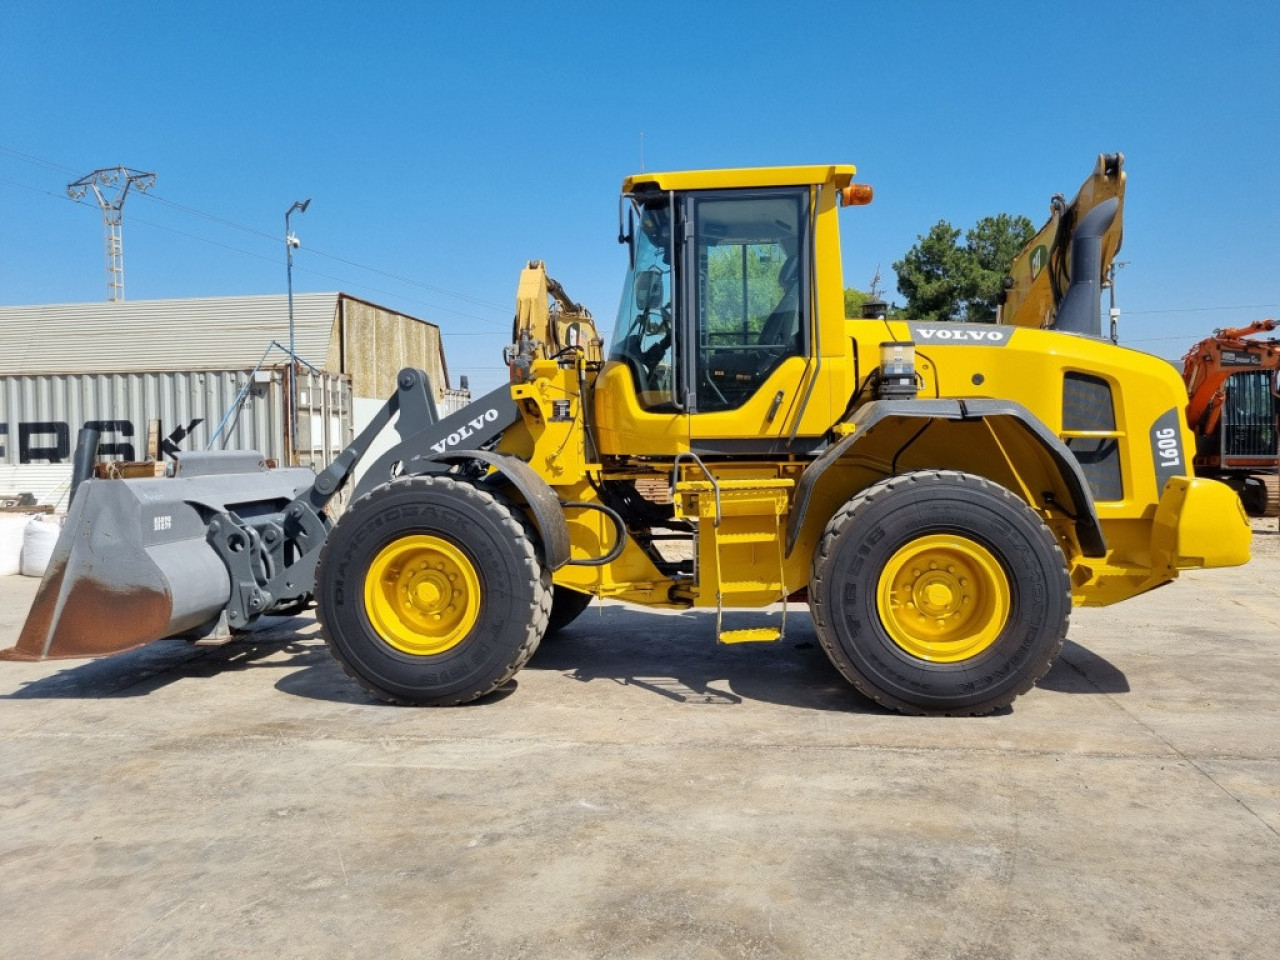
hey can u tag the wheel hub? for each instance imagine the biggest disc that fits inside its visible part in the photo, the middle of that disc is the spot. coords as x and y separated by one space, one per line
943 598
422 594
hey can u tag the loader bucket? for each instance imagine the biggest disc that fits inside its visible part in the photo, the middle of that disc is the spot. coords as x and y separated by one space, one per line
133 565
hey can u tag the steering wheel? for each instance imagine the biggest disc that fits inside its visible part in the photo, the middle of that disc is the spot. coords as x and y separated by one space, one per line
651 326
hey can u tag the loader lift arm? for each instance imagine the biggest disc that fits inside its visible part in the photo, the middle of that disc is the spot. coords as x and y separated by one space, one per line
428 444
161 542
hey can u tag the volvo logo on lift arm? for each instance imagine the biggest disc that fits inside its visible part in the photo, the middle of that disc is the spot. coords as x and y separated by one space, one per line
466 430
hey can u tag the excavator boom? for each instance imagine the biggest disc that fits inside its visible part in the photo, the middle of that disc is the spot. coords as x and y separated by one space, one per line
1041 274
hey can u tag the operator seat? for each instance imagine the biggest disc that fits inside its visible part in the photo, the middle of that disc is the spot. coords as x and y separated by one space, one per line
783 323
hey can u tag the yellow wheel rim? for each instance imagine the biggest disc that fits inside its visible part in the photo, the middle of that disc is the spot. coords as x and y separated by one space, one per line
422 594
943 598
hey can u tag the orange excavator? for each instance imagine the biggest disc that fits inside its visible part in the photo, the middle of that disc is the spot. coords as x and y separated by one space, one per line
1233 408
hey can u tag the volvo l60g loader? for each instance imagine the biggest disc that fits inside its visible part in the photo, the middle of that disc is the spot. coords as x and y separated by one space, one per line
940 494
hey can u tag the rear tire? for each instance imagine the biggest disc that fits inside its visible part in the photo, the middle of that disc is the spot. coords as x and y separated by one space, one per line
1253 497
1260 495
937 592
431 592
566 606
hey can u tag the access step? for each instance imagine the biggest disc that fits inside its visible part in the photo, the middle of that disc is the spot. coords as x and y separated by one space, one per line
750 635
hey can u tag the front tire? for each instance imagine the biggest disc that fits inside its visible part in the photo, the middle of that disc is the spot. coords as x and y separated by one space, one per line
430 591
937 592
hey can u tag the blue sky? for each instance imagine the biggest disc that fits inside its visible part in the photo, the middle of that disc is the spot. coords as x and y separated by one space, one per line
444 145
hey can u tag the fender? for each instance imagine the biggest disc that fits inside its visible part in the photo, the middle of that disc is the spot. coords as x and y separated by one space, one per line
429 445
548 515
423 437
1088 527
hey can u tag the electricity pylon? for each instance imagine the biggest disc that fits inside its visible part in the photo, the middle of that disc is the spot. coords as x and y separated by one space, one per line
111 185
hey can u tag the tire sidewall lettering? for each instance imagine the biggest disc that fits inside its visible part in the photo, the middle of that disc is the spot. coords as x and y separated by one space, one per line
470 520
846 582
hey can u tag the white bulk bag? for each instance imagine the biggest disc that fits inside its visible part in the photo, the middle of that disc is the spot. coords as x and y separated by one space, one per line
38 538
12 526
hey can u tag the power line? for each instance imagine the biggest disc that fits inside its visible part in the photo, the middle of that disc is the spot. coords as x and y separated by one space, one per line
333 256
39 161
269 259
1213 309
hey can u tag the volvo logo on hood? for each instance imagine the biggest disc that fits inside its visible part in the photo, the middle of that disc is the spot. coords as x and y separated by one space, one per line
956 334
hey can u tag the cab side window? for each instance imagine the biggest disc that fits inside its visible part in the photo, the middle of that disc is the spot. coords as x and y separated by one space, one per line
752 292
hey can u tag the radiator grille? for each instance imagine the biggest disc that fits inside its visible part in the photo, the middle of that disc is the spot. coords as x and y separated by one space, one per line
1089 430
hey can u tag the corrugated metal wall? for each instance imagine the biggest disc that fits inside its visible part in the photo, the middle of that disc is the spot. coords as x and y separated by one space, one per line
210 333
453 401
41 415
377 343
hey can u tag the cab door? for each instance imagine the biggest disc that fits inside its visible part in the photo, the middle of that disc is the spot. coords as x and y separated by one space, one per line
744 317
713 337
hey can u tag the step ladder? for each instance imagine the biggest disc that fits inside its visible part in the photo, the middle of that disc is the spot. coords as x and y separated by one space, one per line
739 522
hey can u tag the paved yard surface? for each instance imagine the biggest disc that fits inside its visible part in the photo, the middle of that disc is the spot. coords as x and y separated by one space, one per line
641 792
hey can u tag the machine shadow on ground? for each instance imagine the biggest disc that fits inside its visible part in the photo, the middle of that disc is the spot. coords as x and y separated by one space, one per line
674 657
1079 670
157 665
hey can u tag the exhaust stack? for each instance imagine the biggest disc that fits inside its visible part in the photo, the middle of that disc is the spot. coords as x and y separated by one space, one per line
1081 307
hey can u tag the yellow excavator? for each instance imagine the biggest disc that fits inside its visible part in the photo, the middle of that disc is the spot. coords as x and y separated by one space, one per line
940 494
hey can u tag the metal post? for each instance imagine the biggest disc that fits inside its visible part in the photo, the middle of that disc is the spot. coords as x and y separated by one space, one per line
290 241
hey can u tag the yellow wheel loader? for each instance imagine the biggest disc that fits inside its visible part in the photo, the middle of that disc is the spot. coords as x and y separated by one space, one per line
939 493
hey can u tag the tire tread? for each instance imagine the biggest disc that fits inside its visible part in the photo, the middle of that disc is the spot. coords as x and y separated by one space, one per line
522 536
836 526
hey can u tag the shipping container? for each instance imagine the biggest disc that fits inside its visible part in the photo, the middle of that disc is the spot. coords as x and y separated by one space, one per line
41 415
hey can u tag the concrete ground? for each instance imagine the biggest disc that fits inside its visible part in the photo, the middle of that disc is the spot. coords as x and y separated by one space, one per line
640 792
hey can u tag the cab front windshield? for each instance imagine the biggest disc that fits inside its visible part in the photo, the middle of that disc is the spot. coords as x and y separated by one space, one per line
642 335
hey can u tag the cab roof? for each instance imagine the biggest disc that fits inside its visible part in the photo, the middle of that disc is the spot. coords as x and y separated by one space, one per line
838 175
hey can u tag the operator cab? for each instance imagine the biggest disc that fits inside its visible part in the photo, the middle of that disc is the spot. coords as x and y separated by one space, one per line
711 308
730 335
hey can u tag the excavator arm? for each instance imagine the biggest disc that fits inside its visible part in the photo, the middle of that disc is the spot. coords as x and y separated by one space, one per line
1041 274
547 323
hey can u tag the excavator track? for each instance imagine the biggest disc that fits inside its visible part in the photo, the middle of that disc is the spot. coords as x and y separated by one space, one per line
1271 481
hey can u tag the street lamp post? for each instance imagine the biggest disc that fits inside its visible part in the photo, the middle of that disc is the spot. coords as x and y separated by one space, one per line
290 242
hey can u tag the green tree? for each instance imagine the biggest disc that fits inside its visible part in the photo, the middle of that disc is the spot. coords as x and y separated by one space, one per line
853 301
735 269
944 280
994 242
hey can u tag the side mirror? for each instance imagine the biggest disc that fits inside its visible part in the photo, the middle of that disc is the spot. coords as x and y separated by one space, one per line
648 289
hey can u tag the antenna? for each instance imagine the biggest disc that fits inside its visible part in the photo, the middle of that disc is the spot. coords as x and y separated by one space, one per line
104 182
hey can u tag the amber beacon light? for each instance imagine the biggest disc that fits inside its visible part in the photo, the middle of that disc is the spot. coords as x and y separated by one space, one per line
856 195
